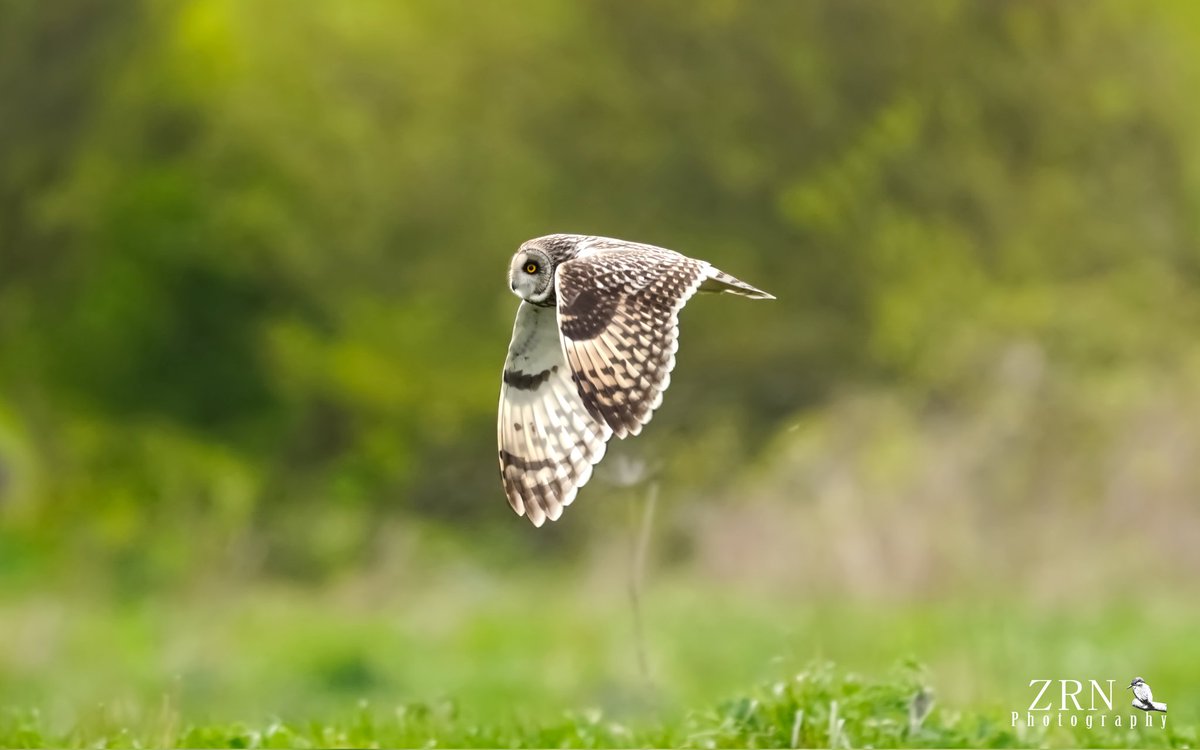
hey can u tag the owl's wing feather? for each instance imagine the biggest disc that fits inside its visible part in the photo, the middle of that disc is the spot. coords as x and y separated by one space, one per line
548 440
618 312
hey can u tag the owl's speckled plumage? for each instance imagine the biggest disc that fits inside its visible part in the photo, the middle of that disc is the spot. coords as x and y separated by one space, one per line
592 352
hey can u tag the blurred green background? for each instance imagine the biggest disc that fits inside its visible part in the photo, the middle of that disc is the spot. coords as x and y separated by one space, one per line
253 313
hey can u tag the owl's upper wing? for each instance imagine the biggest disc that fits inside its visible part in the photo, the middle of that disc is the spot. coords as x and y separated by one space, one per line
618 313
548 440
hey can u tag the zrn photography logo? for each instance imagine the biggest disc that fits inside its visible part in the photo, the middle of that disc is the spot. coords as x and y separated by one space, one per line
1100 712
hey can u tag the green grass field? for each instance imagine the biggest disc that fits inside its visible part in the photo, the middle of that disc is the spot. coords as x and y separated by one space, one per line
817 707
480 662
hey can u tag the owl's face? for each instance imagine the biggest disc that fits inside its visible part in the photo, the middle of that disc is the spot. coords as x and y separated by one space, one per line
531 275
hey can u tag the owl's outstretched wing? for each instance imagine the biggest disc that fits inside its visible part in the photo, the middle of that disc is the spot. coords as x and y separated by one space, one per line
618 311
548 440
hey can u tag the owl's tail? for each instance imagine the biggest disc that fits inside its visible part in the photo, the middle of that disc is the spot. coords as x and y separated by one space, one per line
719 281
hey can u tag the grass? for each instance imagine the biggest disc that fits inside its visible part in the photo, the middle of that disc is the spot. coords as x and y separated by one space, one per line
488 660
819 707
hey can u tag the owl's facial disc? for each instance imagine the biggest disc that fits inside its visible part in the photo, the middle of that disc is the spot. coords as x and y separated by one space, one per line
530 275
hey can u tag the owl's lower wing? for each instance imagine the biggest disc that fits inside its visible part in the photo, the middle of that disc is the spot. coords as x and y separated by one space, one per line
548 440
618 313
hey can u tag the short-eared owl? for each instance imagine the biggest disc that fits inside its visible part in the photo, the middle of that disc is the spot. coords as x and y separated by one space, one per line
591 354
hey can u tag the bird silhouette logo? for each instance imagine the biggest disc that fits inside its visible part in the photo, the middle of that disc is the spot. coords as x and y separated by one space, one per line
1143 698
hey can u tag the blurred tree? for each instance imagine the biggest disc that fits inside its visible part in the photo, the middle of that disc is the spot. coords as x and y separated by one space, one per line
262 244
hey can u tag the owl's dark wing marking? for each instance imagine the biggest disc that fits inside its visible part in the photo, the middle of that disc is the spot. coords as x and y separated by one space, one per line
548 442
618 313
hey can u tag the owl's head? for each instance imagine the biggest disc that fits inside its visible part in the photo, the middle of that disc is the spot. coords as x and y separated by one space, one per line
531 273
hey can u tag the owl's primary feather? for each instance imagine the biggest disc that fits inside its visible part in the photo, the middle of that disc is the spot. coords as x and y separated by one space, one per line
618 312
592 352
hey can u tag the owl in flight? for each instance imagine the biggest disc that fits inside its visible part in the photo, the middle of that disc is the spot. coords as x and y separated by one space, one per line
591 354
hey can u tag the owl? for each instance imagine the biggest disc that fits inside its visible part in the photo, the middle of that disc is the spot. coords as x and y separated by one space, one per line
592 351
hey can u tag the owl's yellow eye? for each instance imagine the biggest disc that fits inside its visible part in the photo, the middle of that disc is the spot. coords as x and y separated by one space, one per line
531 268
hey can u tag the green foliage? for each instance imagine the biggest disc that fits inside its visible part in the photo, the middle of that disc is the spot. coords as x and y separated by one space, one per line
549 660
254 230
819 707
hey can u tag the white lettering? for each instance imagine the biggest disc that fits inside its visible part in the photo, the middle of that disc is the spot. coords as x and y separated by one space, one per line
1078 687
1038 697
1106 698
